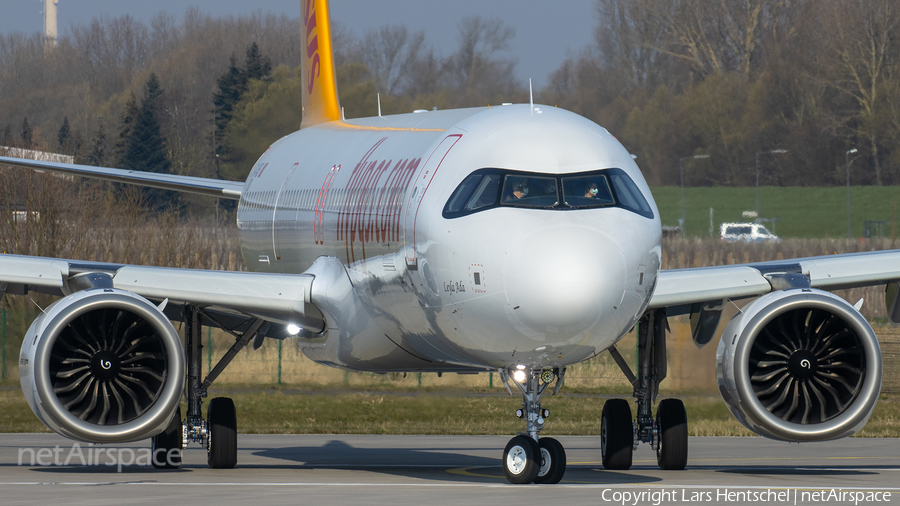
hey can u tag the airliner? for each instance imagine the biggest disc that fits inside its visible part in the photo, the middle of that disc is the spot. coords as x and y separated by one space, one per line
518 239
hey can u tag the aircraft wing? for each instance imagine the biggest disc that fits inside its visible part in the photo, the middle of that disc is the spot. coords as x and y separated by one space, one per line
283 298
680 287
213 187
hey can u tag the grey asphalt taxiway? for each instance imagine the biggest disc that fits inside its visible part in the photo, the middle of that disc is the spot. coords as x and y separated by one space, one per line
354 469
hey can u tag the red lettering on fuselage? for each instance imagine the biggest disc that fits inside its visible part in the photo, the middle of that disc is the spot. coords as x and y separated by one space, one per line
385 201
345 214
370 209
365 221
319 218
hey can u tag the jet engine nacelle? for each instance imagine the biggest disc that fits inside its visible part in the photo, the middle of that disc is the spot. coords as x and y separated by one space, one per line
102 365
800 365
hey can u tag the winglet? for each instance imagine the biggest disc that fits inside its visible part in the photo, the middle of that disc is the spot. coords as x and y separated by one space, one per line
320 97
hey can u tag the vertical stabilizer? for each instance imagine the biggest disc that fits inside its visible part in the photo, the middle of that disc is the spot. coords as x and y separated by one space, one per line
320 98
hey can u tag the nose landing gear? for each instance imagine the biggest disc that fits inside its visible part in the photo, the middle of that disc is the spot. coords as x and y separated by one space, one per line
528 458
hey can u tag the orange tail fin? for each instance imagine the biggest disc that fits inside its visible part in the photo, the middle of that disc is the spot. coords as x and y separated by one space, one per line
320 97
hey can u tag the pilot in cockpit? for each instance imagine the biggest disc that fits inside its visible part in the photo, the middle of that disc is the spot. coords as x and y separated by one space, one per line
518 192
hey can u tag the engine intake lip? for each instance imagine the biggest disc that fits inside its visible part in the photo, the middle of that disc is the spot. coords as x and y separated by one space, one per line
150 417
854 411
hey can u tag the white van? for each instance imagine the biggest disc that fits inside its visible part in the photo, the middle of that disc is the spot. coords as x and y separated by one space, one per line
748 232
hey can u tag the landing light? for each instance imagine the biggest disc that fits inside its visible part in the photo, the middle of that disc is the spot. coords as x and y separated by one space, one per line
548 376
519 376
293 330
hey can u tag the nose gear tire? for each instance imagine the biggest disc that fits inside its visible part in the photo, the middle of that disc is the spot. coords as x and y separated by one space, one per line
552 461
521 460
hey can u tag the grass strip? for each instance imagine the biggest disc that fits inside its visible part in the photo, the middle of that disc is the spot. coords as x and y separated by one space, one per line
292 411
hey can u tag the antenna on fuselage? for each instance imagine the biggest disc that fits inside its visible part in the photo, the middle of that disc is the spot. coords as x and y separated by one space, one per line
378 95
344 118
531 96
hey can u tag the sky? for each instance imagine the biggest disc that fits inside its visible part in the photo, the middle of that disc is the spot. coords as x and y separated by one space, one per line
546 32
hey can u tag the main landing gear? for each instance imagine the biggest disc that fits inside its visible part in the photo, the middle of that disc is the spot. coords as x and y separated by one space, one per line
528 458
667 432
218 431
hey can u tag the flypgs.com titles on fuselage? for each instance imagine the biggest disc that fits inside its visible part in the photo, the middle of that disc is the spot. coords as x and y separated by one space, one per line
516 238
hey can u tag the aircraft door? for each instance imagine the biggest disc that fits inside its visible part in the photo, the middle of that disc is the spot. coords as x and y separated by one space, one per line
417 190
284 218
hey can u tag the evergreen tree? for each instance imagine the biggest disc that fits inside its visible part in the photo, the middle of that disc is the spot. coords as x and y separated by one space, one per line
152 91
63 135
232 85
256 66
27 132
128 118
97 156
146 151
6 137
76 143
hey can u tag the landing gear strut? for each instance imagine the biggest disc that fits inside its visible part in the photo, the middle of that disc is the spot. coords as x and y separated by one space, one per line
218 432
528 458
667 432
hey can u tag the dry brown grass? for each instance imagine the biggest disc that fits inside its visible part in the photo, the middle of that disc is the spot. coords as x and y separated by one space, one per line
99 222
348 411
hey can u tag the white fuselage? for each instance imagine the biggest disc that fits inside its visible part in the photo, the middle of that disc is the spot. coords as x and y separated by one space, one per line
494 288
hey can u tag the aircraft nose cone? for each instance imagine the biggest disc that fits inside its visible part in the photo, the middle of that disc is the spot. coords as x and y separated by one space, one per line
561 280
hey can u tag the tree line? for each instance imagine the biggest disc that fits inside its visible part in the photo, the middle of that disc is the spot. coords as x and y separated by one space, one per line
732 79
738 79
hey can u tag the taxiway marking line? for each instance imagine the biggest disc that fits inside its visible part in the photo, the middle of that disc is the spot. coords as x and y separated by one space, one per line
468 472
597 462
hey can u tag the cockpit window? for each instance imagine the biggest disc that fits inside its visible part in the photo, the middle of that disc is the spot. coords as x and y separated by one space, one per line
588 191
464 190
489 188
628 194
529 191
485 194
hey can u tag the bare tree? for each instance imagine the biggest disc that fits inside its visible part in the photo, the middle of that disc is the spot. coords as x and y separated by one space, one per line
629 36
864 38
720 35
476 69
391 53
111 51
